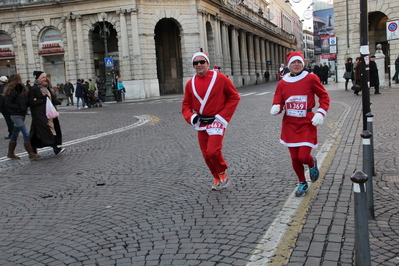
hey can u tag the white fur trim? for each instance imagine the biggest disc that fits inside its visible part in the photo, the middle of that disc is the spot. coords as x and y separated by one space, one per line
296 57
287 77
199 54
322 111
299 144
221 120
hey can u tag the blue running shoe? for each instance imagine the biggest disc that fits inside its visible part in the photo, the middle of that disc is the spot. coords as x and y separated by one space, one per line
216 184
302 189
224 180
314 171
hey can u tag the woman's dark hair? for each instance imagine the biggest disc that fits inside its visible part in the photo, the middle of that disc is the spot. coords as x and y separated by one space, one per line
15 83
349 59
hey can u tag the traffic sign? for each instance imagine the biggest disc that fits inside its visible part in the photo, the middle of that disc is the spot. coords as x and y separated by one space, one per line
333 40
109 62
392 30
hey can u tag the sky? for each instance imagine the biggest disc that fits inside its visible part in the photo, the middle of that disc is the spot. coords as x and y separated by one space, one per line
300 8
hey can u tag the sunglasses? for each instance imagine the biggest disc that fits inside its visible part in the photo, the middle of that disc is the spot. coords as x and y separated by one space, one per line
199 62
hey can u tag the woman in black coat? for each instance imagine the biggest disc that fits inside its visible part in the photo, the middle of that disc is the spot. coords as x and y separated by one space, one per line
44 131
16 103
349 70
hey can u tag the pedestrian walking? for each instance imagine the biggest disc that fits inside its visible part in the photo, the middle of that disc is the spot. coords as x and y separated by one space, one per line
295 94
28 84
267 75
282 71
44 131
120 90
3 110
374 78
326 72
210 100
316 71
348 75
357 87
396 76
16 102
69 90
80 93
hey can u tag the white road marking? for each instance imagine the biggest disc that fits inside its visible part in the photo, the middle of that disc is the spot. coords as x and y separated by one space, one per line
263 93
143 119
271 239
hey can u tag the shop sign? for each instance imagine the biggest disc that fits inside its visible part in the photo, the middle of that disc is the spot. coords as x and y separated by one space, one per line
51 48
7 54
5 51
51 51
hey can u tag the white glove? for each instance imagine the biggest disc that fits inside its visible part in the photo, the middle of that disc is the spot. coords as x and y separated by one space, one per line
317 119
275 109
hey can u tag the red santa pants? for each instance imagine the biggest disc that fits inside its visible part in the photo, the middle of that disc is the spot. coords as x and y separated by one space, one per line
300 156
211 148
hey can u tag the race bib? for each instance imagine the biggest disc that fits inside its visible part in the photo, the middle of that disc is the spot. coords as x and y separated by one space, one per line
296 105
216 128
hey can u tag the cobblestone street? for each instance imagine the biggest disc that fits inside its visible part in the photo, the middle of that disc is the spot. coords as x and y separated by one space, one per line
132 188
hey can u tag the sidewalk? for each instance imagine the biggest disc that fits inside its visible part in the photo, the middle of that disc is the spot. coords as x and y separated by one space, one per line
328 234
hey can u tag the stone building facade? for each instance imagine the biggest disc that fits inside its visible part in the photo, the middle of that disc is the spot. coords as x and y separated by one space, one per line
149 42
347 21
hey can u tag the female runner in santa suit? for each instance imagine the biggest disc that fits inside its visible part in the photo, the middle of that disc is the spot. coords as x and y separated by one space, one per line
295 94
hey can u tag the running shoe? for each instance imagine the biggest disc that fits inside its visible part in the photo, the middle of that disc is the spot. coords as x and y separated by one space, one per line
314 171
224 179
216 184
302 189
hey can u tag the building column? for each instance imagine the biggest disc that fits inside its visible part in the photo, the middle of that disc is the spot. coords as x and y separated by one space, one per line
226 49
70 67
263 60
243 53
135 59
276 64
124 60
20 53
236 62
202 31
218 43
268 57
81 62
30 67
251 58
258 54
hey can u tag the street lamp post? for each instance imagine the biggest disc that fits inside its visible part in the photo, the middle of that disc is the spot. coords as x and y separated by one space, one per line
104 32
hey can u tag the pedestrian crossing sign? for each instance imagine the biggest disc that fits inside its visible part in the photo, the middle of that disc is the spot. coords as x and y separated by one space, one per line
109 62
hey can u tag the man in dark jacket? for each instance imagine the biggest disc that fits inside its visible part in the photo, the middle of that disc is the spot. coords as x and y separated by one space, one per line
374 78
69 90
80 94
4 111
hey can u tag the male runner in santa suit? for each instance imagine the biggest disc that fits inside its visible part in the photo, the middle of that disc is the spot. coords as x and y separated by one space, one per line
210 100
295 94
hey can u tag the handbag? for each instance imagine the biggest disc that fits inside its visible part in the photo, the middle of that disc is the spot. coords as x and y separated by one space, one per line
51 112
347 75
356 88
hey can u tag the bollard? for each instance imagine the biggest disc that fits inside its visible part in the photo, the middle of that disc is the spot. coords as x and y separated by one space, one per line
370 128
368 170
362 244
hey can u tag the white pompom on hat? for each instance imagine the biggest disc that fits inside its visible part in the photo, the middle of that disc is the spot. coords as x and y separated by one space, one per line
291 57
200 54
3 79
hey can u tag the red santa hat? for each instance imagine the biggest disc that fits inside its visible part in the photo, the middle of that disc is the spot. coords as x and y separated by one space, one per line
291 57
200 54
215 67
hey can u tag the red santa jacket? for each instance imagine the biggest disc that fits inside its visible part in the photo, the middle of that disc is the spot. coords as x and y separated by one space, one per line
296 96
212 94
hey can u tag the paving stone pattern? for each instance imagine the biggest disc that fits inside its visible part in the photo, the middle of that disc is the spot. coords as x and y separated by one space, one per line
142 196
